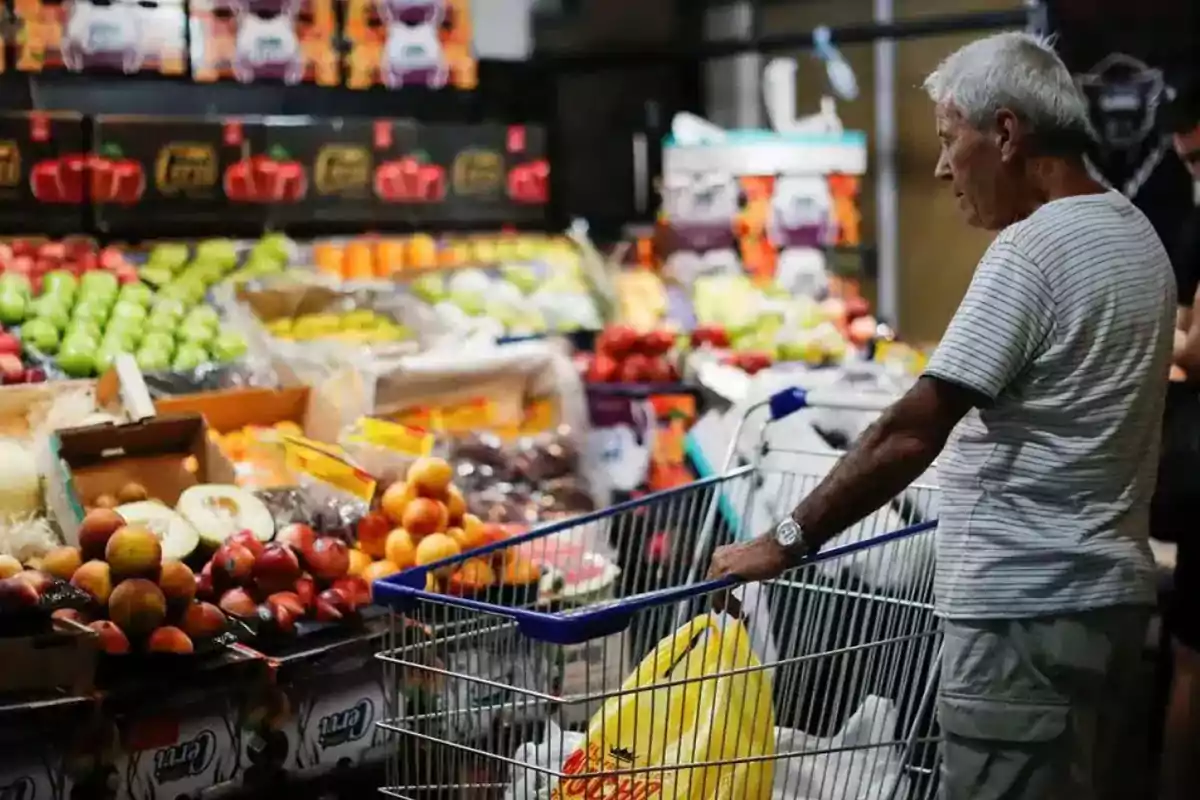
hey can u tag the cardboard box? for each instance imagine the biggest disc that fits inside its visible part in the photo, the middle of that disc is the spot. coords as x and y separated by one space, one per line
166 454
48 662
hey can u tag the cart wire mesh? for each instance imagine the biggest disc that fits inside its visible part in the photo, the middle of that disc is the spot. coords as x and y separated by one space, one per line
525 691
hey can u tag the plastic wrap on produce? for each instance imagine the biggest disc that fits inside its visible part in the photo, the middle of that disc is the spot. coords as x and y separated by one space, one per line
211 378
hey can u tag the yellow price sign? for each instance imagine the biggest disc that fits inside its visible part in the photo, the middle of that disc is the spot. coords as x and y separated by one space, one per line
310 458
397 437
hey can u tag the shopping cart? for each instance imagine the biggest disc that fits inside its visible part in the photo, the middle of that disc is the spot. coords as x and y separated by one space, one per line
491 692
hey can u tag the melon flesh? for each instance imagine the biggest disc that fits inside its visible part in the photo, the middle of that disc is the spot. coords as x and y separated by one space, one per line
218 511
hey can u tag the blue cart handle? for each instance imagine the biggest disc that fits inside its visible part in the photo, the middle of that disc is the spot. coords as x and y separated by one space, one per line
404 590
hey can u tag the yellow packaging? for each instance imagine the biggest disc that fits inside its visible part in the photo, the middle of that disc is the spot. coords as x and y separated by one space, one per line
393 436
684 721
318 461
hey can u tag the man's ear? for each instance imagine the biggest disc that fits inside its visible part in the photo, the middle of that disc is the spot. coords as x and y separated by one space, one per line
1008 133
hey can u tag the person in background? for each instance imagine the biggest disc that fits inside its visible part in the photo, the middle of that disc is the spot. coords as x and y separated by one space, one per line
1044 400
1176 511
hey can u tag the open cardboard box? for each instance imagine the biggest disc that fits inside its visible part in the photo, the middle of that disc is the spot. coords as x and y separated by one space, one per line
165 454
48 662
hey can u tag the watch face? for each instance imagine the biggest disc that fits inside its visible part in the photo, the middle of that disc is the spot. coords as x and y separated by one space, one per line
788 533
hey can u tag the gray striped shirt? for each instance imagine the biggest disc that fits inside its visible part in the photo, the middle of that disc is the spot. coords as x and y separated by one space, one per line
1067 329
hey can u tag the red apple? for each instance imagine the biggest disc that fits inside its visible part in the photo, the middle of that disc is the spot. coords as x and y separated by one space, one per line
657 343
603 369
328 558
10 344
617 341
111 258
659 370
11 368
238 602
297 536
232 564
248 540
24 247
276 569
55 251
634 369
22 265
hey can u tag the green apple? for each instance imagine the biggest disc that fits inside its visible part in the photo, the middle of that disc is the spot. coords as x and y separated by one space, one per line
99 282
40 334
90 309
13 306
165 325
206 315
196 333
208 273
17 281
138 293
76 360
152 359
59 280
167 307
106 356
124 340
188 357
82 327
51 309
79 339
155 276
169 256
222 252
157 340
128 310
228 346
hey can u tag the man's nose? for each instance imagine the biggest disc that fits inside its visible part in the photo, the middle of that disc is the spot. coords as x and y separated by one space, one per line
941 170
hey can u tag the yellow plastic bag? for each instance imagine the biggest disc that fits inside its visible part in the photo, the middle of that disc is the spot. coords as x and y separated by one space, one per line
670 727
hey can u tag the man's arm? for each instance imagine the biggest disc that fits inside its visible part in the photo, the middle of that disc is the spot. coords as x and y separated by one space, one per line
891 454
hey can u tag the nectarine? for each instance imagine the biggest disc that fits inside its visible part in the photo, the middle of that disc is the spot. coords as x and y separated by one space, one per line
95 578
203 621
178 583
110 638
169 639
232 564
474 534
521 571
238 602
328 558
379 569
61 562
430 476
456 506
137 606
276 568
396 499
297 536
373 530
434 548
400 549
424 516
133 552
474 574
359 561
97 528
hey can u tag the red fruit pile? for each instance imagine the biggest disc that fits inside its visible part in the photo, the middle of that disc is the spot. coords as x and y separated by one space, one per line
13 368
34 258
625 356
299 575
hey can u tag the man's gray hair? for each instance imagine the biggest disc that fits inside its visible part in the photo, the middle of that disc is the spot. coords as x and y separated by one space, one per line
1019 72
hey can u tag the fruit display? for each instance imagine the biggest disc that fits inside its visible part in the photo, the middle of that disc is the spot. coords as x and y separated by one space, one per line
186 272
362 326
623 355
527 480
424 519
771 322
302 313
132 598
257 454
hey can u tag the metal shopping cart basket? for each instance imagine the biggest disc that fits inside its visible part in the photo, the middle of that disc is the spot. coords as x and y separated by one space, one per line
491 692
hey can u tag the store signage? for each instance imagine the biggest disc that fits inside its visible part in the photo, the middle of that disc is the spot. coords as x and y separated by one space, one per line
349 725
186 759
41 173
185 167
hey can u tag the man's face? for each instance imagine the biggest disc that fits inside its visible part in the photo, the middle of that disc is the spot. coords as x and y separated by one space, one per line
1187 145
974 164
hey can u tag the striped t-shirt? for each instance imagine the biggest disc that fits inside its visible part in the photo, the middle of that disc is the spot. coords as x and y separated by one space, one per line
1067 330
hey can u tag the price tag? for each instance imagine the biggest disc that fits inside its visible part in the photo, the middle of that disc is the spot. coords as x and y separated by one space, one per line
394 436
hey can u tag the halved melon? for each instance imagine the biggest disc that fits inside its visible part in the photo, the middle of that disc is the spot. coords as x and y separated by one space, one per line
218 511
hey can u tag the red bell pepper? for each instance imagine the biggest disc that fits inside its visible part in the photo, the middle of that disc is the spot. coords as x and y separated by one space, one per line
530 183
113 178
45 182
237 182
407 180
267 178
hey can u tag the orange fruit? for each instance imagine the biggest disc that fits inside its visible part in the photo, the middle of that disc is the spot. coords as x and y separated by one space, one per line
430 476
359 561
436 547
399 549
395 499
424 516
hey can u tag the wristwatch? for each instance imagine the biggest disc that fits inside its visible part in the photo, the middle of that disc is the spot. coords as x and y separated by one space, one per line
790 536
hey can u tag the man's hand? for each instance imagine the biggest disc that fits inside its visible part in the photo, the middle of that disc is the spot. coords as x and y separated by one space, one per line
757 560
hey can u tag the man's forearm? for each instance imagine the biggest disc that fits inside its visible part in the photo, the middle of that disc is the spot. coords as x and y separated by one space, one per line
880 465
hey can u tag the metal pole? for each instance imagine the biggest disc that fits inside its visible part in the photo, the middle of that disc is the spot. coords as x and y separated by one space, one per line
887 234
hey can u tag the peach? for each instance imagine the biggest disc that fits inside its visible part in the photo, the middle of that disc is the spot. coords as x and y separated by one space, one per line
238 602
372 532
203 621
169 639
232 564
178 583
356 590
424 516
133 552
297 536
9 566
110 637
137 606
456 506
97 528
328 558
430 476
95 578
61 562
401 550
248 540
434 548
396 499
276 569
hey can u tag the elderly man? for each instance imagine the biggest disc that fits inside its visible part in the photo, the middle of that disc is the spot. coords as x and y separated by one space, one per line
1044 400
